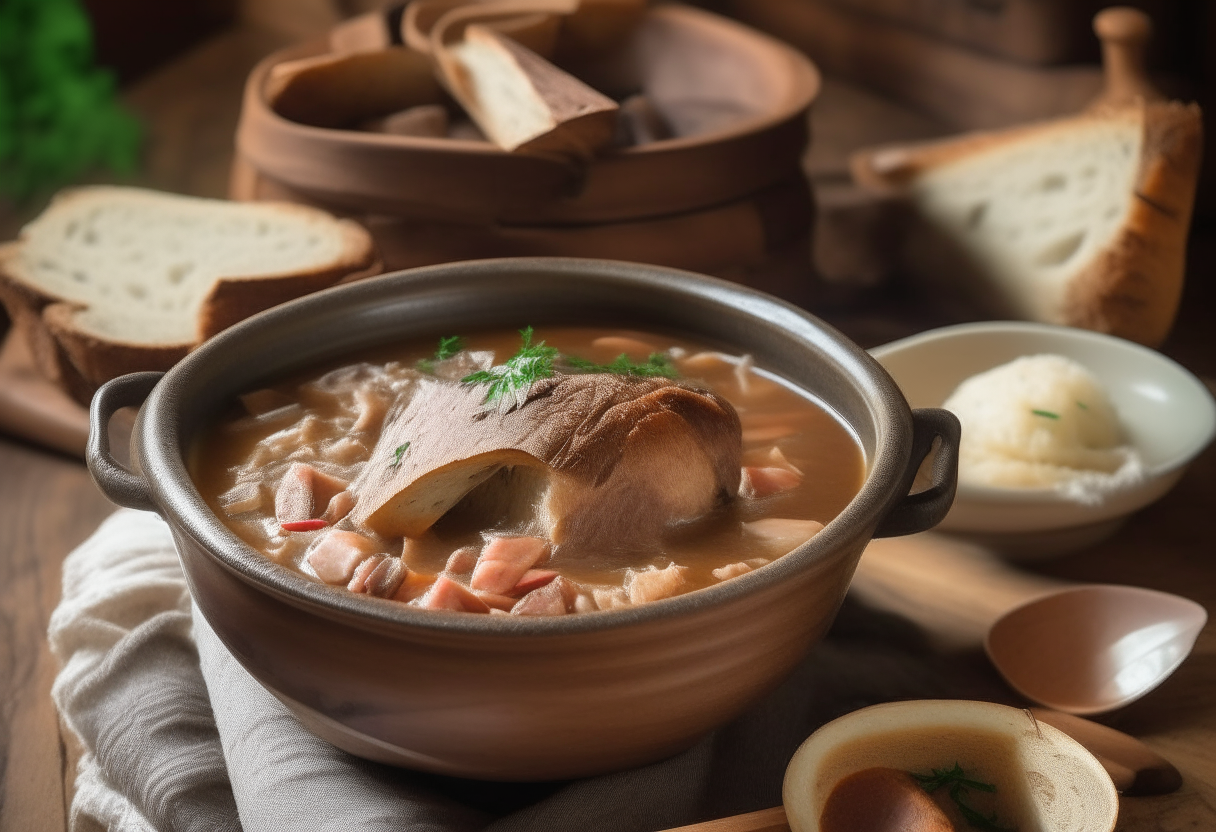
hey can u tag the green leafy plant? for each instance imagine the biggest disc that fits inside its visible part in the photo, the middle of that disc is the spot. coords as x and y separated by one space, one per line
658 365
959 784
449 345
59 118
510 382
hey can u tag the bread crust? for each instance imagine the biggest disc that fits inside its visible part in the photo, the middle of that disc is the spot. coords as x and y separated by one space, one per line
1132 287
79 360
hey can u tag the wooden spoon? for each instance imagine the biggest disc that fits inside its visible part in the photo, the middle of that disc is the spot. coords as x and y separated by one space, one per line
1077 648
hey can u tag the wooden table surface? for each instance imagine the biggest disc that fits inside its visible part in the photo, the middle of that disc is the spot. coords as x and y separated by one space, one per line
48 505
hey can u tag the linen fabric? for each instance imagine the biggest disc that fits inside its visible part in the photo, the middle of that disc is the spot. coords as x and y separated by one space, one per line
178 736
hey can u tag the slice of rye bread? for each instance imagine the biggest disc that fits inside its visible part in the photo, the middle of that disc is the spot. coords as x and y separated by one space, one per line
111 280
1079 221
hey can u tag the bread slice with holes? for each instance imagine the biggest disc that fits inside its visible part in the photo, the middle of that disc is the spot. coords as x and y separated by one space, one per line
1079 221
110 280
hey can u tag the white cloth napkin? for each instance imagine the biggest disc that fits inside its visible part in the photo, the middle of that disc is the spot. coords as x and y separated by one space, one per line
178 736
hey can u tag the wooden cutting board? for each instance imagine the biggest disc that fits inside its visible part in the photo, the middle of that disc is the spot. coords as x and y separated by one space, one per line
33 408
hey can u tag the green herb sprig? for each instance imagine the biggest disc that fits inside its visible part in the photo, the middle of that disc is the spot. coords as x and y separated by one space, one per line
658 365
399 454
1046 414
959 784
449 345
509 383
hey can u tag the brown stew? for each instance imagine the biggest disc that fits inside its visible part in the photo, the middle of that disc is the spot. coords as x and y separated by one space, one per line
572 470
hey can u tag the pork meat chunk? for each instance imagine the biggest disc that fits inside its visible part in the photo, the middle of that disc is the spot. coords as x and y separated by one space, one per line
587 457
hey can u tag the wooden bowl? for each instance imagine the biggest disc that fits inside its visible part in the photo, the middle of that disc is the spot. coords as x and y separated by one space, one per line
1049 781
736 99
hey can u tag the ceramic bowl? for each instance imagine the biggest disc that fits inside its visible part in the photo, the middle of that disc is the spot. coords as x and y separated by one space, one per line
1167 413
509 697
1050 781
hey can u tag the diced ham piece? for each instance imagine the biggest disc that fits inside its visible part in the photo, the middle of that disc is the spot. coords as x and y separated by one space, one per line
532 579
654 584
338 553
504 561
462 561
414 586
732 570
383 581
302 491
358 580
339 506
446 594
783 534
764 482
554 598
498 602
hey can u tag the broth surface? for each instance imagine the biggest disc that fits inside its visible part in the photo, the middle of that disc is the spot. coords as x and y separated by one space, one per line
328 420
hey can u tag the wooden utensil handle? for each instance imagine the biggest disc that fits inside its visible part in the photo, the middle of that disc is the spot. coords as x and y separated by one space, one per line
953 589
1124 33
766 820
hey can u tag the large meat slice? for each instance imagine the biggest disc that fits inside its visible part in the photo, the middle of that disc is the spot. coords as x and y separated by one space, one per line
589 457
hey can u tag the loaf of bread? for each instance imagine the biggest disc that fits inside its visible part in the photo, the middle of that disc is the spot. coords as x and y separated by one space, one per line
111 280
1079 221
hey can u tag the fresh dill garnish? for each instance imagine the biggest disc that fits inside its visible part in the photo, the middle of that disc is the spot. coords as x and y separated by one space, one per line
1082 405
658 365
1046 414
510 382
959 784
449 345
399 454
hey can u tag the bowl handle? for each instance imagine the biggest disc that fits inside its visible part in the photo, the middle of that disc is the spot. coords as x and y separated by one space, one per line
117 482
925 509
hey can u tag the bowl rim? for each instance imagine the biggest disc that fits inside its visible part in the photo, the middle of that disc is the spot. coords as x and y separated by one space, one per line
545 190
159 449
981 329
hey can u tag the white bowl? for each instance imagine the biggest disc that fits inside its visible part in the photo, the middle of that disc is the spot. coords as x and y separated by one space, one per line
1167 413
1052 782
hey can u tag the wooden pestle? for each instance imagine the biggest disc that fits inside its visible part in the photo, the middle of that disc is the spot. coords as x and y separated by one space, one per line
1124 32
